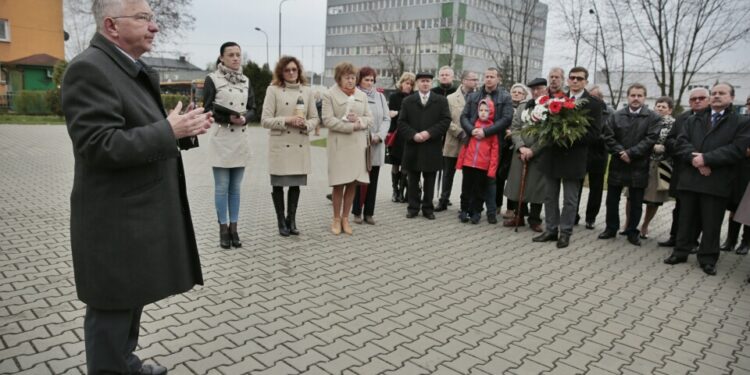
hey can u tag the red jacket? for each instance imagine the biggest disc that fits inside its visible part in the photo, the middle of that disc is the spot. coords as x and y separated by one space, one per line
481 154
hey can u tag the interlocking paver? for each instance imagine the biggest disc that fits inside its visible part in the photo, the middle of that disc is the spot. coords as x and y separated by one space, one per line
487 301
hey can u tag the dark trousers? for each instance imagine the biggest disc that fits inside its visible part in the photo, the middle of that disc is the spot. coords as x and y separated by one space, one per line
596 189
473 190
372 190
635 195
111 336
534 213
449 171
413 193
705 212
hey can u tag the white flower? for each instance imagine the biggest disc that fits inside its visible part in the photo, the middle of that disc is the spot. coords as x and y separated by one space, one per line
539 113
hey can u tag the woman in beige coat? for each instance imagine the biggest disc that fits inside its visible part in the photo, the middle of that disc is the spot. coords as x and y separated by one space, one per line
347 117
289 112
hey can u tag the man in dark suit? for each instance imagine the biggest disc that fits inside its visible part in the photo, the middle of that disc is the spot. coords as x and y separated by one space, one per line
130 229
423 121
566 166
630 135
709 147
500 128
596 167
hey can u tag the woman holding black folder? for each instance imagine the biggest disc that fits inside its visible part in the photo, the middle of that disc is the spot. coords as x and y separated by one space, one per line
228 94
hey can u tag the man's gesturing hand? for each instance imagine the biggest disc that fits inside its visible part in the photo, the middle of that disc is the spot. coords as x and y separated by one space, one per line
193 122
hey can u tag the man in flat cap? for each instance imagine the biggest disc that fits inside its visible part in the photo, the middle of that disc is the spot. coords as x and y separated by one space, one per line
526 151
423 121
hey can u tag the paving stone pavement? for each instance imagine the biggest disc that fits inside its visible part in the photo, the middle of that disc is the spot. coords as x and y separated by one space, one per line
406 296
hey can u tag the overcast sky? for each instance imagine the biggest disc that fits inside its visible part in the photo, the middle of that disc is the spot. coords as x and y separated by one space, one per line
303 34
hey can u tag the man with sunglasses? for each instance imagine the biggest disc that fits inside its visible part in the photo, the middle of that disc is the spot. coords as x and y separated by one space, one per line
566 166
698 101
131 232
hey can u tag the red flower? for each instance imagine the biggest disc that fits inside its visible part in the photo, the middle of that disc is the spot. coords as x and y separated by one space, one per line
543 100
559 94
555 107
569 104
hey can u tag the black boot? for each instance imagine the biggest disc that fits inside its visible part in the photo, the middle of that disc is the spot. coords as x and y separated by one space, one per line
278 204
234 235
395 177
291 209
403 181
732 233
225 239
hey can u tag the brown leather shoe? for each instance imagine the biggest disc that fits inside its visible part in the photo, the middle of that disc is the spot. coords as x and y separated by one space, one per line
369 220
512 222
358 219
536 228
509 214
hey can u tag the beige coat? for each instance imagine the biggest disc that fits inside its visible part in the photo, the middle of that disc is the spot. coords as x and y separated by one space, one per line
346 146
452 145
288 147
229 146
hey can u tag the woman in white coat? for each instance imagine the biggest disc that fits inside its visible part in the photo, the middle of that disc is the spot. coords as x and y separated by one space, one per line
289 112
381 121
228 94
346 114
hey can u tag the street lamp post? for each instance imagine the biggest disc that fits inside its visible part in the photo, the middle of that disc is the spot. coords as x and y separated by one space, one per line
268 61
281 3
596 42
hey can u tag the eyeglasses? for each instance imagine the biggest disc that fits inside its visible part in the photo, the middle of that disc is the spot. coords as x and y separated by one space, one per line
698 98
576 78
290 70
148 17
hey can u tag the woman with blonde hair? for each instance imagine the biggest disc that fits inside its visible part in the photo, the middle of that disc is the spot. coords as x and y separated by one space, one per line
347 116
290 115
396 147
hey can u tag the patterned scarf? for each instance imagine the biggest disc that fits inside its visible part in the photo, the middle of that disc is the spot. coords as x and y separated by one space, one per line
231 75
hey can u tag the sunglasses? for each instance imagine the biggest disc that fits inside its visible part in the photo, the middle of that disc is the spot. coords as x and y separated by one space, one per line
697 98
576 78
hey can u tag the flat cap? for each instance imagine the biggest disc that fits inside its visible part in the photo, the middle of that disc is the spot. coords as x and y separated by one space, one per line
425 75
537 82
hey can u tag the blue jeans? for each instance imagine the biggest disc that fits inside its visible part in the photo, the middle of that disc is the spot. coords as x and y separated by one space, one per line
227 183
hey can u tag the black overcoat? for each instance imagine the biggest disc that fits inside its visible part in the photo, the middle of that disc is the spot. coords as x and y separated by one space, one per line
434 117
636 134
722 146
130 227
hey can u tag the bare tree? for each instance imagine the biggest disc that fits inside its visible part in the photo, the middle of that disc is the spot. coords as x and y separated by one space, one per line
510 44
573 12
612 47
172 16
388 40
679 38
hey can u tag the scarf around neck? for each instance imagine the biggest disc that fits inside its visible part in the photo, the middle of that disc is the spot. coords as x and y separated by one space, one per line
347 91
231 75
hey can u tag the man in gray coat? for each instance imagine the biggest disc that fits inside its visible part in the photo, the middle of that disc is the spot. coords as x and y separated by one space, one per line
130 228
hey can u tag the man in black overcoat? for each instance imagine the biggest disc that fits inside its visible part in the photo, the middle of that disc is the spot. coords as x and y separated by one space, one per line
709 147
566 166
423 121
630 135
130 227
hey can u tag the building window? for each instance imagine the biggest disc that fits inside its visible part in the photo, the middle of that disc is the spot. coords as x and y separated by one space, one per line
335 10
4 30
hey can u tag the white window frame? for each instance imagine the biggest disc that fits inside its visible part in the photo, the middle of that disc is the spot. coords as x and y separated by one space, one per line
4 23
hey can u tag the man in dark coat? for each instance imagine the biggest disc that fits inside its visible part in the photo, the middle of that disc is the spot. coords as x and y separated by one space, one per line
596 167
630 135
709 146
566 166
423 121
698 101
500 128
130 228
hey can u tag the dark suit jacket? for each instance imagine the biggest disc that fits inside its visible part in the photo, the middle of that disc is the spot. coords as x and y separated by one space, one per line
635 134
723 148
570 163
130 227
435 117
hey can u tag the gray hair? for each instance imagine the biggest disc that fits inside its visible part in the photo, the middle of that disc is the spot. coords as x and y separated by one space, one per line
466 74
557 69
521 86
102 9
707 91
446 67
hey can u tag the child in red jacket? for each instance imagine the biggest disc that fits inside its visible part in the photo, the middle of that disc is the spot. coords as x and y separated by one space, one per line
478 159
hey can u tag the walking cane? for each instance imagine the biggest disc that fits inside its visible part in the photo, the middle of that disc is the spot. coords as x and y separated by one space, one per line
519 208
439 182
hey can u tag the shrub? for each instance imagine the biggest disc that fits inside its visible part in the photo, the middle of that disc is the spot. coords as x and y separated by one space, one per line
54 101
171 100
31 103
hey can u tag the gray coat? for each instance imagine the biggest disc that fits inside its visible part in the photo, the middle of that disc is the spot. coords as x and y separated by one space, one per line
130 227
381 121
535 185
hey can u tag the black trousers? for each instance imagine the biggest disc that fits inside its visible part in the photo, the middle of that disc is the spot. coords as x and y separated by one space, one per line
596 190
473 190
111 337
449 171
413 193
613 208
372 190
534 213
705 212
